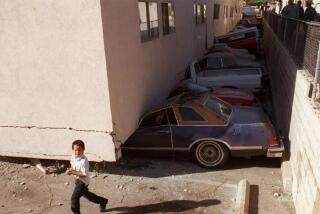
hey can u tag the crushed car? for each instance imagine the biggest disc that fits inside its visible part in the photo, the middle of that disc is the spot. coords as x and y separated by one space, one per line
245 39
206 127
246 78
241 53
225 60
230 95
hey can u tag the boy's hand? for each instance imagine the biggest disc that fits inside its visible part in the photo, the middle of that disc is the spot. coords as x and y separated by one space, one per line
69 171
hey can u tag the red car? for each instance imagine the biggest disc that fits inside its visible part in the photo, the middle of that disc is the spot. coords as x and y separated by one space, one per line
229 95
243 39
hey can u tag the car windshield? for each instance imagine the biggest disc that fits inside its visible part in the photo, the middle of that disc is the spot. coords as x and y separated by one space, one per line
219 107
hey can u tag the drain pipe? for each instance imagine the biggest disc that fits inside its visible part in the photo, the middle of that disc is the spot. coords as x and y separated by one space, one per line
316 76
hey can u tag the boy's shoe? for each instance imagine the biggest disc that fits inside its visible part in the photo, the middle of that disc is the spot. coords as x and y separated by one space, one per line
103 206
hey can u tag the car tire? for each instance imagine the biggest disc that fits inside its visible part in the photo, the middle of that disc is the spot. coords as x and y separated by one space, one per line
210 154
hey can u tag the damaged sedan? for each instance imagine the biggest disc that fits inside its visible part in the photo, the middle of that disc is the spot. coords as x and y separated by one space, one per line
207 128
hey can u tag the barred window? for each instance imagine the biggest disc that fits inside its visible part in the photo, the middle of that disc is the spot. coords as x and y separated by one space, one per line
168 18
216 11
149 23
200 13
203 13
225 11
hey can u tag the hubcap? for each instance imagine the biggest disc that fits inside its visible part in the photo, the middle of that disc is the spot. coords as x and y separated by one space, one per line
209 154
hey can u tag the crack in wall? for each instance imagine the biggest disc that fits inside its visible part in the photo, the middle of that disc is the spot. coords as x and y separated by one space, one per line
60 128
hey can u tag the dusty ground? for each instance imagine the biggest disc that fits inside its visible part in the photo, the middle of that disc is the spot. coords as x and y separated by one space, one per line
146 186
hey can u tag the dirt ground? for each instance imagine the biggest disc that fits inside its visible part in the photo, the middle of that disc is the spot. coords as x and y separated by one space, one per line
146 186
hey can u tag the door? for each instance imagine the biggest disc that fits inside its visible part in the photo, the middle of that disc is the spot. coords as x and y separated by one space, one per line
154 133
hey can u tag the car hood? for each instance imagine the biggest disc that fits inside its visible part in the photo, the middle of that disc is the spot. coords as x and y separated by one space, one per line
247 115
246 62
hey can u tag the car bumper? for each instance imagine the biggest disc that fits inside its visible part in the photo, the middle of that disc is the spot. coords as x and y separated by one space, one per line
276 152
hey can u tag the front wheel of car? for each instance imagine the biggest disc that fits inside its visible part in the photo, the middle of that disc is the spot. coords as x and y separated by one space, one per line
210 154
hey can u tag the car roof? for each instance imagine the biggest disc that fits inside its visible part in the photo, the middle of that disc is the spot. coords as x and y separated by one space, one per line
196 101
183 99
250 29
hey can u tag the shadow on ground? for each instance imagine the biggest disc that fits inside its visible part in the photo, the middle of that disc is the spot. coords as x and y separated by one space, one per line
167 206
163 167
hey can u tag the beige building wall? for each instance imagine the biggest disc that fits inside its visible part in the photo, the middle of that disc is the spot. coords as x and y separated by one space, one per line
142 74
225 23
53 79
77 69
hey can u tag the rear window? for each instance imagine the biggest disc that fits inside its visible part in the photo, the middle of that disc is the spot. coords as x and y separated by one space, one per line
189 114
222 109
251 34
214 63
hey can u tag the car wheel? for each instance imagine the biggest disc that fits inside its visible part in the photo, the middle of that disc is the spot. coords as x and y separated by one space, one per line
210 154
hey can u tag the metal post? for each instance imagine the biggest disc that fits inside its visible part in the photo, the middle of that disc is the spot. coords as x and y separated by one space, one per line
316 76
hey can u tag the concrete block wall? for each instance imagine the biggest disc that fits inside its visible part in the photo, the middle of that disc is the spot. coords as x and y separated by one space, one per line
311 47
298 119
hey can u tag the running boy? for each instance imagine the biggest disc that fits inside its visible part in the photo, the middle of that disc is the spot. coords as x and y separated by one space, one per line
80 169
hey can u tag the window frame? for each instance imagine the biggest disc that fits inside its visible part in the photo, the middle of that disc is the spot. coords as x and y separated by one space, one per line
154 112
190 121
203 12
198 14
175 116
216 11
150 36
164 32
225 11
219 61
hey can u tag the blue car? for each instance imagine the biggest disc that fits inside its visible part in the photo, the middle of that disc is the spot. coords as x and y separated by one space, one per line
206 127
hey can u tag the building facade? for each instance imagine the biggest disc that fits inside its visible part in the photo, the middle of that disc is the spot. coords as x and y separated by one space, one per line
88 69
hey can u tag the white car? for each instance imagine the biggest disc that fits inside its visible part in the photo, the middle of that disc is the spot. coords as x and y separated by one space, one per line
223 48
247 78
231 60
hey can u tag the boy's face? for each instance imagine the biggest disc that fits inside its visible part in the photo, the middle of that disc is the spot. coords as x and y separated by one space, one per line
78 151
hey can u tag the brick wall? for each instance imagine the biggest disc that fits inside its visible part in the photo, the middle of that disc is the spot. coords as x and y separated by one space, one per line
299 121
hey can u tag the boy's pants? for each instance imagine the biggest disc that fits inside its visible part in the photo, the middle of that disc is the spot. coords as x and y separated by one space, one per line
82 190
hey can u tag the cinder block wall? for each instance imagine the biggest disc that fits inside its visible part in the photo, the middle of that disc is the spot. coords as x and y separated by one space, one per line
298 119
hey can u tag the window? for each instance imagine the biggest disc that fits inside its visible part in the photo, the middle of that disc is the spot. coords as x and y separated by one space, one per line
203 13
154 119
168 18
214 63
231 12
195 12
198 15
149 23
225 11
221 109
216 12
172 117
188 114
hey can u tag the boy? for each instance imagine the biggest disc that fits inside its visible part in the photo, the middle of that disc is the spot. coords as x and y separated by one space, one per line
80 169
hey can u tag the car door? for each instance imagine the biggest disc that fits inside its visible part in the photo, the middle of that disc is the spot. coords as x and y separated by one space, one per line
154 133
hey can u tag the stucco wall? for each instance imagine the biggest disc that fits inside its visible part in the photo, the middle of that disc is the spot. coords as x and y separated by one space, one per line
225 24
299 121
60 60
53 77
141 74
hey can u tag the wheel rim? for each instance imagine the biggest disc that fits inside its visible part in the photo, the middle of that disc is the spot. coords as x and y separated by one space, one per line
209 153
